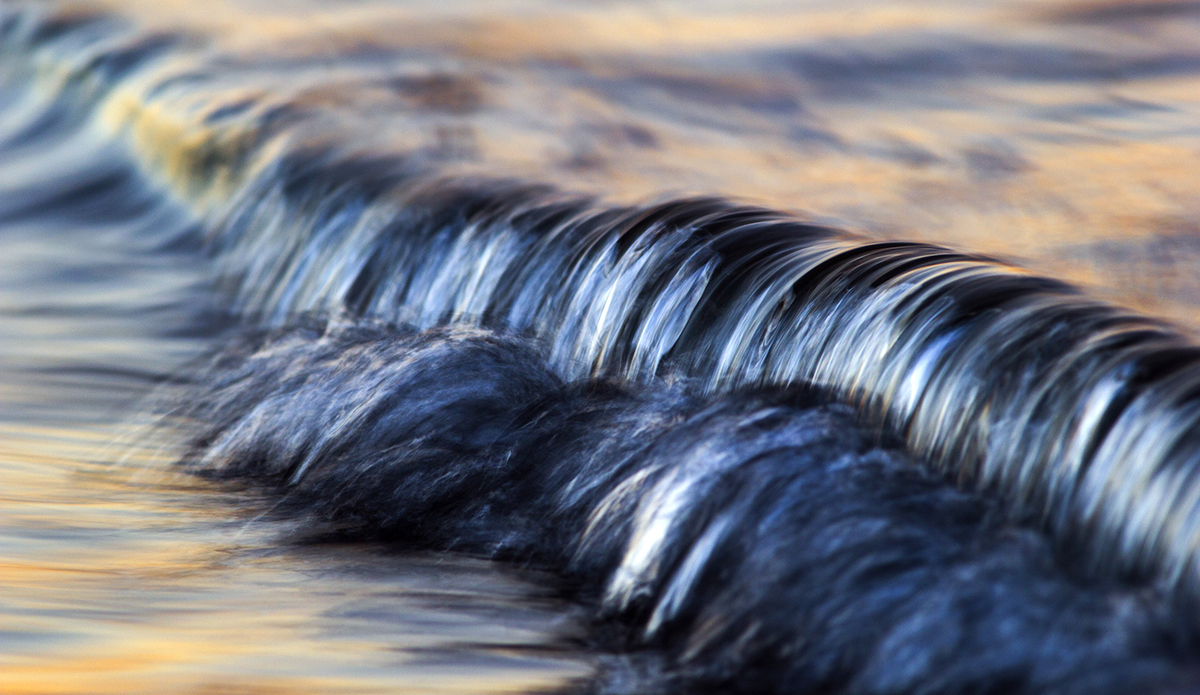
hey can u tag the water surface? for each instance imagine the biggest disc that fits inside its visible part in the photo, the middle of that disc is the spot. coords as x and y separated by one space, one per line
1064 137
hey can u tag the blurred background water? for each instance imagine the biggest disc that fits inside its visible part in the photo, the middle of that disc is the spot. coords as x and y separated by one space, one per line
1064 137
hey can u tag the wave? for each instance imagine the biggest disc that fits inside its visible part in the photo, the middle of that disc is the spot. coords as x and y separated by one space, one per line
1077 413
1076 416
750 542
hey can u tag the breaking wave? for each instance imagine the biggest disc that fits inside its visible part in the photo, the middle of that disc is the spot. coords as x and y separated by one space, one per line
756 541
712 416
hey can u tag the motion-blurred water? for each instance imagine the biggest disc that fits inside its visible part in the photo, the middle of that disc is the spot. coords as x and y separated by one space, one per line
1064 137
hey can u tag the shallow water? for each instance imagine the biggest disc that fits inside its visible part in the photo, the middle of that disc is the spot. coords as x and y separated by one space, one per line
115 584
1063 137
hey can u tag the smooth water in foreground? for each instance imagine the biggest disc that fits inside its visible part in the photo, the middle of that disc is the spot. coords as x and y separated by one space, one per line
166 176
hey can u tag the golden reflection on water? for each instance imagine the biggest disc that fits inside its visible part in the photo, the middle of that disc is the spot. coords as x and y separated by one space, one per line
1042 133
130 580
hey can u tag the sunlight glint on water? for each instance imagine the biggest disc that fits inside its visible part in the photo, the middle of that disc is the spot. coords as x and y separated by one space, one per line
121 580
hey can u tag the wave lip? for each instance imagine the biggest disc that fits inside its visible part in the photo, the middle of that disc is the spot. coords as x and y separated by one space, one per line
1075 412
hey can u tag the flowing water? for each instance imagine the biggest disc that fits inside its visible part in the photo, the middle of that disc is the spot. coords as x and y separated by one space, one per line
170 171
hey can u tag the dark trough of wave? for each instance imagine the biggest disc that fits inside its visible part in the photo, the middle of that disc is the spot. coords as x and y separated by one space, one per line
772 456
757 541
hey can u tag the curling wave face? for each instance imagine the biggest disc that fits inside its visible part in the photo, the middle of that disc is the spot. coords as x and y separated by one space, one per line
1079 414
683 360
